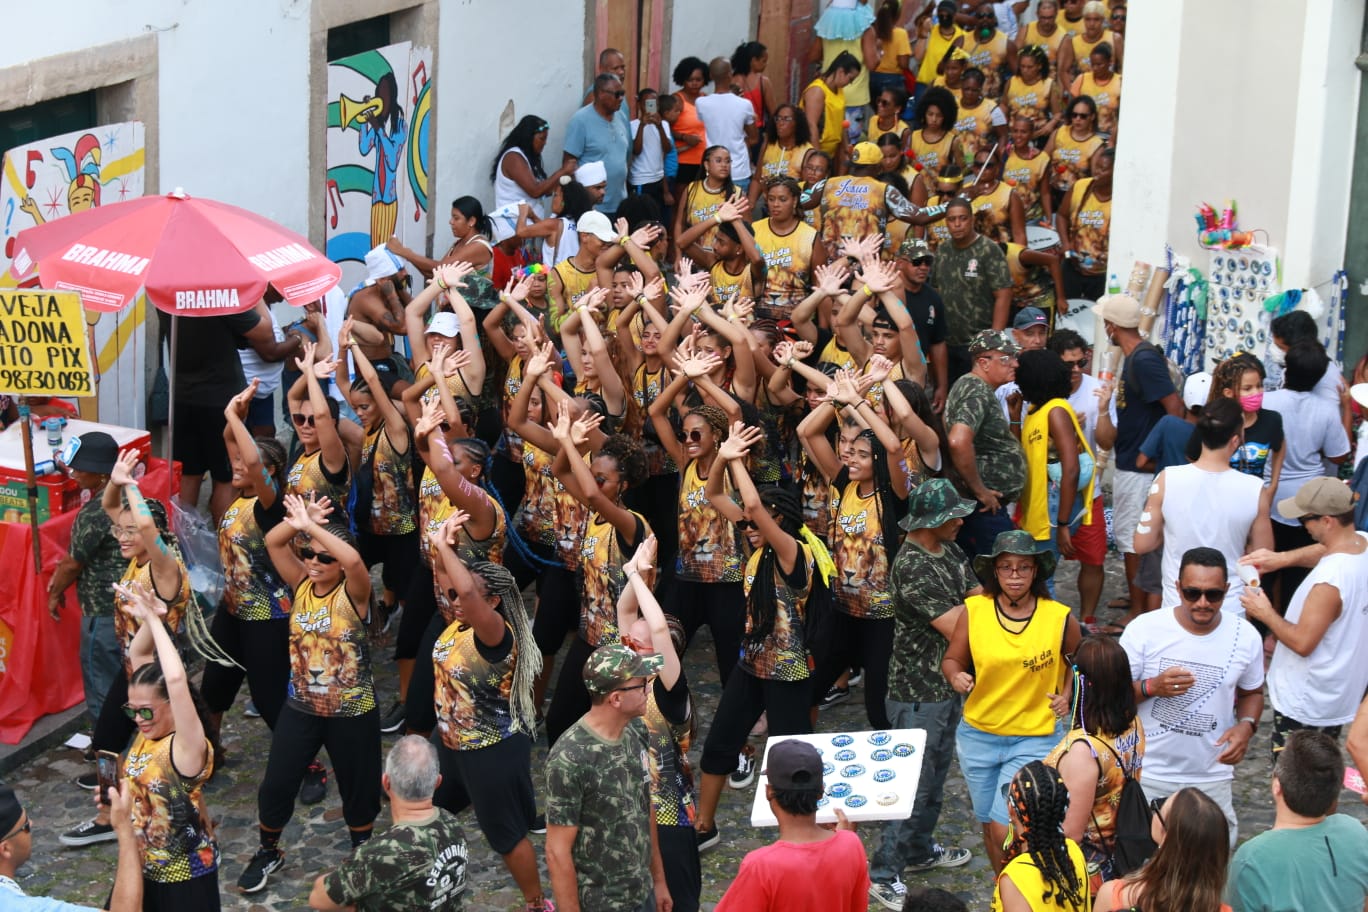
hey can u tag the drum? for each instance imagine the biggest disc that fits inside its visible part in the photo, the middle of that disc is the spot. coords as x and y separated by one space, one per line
1038 237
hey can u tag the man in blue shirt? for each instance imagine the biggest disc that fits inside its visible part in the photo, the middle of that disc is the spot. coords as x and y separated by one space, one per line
597 133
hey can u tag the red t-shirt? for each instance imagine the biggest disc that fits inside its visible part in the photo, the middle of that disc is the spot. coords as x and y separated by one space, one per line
504 264
779 877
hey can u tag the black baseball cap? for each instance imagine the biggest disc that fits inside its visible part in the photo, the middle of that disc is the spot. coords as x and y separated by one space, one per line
794 765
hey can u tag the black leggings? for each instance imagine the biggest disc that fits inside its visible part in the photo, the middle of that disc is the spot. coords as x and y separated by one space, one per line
262 648
864 643
658 501
420 709
113 729
743 700
353 744
558 609
497 782
397 555
571 699
196 893
722 606
420 603
683 872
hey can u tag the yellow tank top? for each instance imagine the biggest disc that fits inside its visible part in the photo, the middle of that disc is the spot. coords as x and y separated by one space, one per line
602 551
1090 225
709 545
394 510
975 128
1075 156
1083 48
124 627
776 161
1029 101
877 132
894 234
997 205
252 589
788 267
455 383
956 91
932 156
1024 175
1028 282
857 547
936 46
1014 673
833 353
1026 877
1108 98
852 207
308 476
576 283
468 549
857 93
833 114
936 232
989 58
471 693
172 824
701 204
1051 44
780 655
874 395
897 44
724 284
330 670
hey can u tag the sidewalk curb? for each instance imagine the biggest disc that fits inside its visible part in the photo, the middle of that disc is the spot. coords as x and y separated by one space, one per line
58 728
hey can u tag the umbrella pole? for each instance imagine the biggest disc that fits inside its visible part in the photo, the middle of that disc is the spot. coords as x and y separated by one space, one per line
26 434
171 413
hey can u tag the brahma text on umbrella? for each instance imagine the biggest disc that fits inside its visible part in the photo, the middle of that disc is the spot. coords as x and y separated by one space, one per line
114 260
43 345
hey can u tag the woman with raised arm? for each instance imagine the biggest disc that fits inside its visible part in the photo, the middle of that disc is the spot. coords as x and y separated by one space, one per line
869 496
485 664
773 671
696 219
322 468
468 380
611 532
734 370
587 351
166 767
331 700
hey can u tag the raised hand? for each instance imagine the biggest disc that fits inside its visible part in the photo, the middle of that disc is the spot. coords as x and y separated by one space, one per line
239 404
308 351
122 473
453 274
739 441
879 368
783 353
562 428
742 309
297 513
325 369
831 277
449 533
802 350
654 288
646 235
643 559
318 508
140 602
456 361
687 298
636 284
583 427
539 363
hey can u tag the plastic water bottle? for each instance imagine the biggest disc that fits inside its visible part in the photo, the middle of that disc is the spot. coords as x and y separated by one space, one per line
53 426
1113 285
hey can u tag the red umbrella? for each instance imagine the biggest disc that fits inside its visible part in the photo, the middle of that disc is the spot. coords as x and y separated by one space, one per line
195 257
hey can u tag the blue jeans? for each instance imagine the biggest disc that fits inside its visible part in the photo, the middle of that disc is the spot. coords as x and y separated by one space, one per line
101 660
988 762
980 528
911 841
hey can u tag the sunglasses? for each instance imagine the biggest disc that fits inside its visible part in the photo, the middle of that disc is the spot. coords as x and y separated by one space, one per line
884 102
1193 594
744 525
1306 519
1083 114
617 94
135 713
1157 806
1080 364
311 554
26 828
694 436
923 261
301 420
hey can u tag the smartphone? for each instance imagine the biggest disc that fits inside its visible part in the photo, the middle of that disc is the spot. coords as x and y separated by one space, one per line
107 771
651 106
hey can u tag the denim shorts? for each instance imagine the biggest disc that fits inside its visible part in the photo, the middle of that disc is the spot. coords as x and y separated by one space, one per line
989 762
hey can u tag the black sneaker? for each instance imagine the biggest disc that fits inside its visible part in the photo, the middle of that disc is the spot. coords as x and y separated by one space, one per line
744 774
393 721
315 786
259 870
88 833
88 781
539 825
836 695
707 838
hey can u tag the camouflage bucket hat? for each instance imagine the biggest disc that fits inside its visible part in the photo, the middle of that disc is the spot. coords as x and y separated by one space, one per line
609 667
1018 542
934 503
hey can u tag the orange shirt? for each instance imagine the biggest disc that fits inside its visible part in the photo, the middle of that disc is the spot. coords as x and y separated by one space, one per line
690 125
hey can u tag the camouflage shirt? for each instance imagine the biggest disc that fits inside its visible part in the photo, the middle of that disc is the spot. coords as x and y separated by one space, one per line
998 455
604 788
925 586
414 865
966 279
94 546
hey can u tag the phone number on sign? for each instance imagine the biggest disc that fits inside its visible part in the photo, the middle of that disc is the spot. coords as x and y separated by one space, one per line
45 382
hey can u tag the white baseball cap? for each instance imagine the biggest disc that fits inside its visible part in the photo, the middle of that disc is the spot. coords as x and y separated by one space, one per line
597 224
1196 389
381 264
444 323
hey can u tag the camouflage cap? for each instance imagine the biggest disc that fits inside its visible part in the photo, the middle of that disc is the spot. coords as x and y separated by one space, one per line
993 340
611 666
934 503
914 248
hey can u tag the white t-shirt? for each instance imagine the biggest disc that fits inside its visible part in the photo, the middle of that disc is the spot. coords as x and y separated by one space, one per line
649 166
725 116
255 367
1181 732
1325 687
1311 428
1212 510
1084 404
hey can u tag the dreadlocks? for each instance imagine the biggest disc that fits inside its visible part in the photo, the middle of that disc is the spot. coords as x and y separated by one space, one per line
499 581
889 506
761 603
1040 799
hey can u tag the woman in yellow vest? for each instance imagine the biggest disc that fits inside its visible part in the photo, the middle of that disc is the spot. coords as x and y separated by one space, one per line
935 145
700 200
1003 212
1073 147
1006 655
323 467
847 27
1027 170
1032 94
981 125
931 50
1044 32
824 103
990 51
785 147
1058 494
1045 870
893 49
1074 53
1101 83
1085 231
791 250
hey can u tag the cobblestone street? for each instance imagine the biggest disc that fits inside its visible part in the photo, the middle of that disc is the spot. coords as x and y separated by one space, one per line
317 837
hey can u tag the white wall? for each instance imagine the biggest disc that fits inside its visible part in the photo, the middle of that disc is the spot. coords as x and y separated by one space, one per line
709 28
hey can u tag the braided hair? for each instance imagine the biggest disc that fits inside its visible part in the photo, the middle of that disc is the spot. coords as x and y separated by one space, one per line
1040 799
1229 373
716 418
762 601
498 580
889 507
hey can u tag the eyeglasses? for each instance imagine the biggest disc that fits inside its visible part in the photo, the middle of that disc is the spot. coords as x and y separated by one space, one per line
1002 359
1083 114
1157 806
135 713
26 828
1193 594
1012 570
123 533
301 420
641 687
784 118
311 554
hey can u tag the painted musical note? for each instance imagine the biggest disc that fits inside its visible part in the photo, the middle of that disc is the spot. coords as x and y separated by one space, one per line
421 68
30 178
334 200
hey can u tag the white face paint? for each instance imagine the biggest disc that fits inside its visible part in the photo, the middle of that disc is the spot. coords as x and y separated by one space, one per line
1145 517
1142 529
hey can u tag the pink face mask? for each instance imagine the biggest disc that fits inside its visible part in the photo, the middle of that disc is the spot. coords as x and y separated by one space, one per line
1251 403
